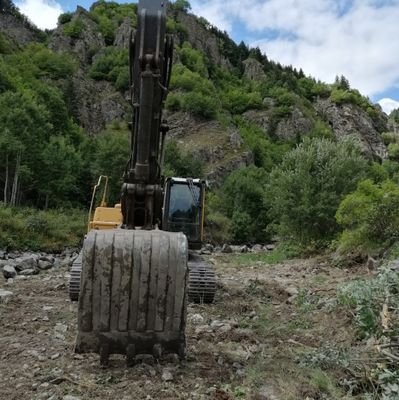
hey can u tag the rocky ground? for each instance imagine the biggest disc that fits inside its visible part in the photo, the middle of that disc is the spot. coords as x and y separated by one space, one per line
265 338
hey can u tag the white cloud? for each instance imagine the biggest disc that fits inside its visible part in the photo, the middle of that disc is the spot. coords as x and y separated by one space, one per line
43 13
355 38
388 105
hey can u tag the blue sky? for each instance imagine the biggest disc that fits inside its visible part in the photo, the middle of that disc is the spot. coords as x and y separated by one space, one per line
355 38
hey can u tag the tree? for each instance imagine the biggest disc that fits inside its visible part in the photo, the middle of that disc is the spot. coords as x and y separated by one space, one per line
305 191
182 5
242 201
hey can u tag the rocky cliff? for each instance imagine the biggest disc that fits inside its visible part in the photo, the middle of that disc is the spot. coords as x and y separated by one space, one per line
217 142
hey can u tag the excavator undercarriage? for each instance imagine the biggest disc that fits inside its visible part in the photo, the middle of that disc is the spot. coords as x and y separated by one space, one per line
136 273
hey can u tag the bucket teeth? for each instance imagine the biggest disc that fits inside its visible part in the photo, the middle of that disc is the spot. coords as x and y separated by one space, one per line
133 294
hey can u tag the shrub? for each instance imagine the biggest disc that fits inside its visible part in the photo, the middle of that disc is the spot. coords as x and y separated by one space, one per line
367 297
390 137
305 191
179 164
238 101
370 216
242 201
393 151
64 18
32 229
201 105
74 29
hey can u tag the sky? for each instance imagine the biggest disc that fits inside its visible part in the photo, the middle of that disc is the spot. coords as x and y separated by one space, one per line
355 38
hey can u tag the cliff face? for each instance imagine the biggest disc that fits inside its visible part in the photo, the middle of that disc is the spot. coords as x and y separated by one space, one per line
219 145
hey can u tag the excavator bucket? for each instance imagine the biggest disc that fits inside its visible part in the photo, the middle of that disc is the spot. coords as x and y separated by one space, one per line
133 293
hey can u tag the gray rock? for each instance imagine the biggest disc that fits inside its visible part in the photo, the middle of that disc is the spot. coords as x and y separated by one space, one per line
47 258
216 324
371 264
253 70
45 265
26 262
292 291
270 247
69 397
227 249
29 272
3 255
5 295
236 140
244 249
350 120
196 319
257 248
209 247
167 375
9 272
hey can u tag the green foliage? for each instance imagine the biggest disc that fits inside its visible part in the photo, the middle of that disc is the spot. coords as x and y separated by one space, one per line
179 164
393 151
370 216
266 153
74 29
237 101
367 297
112 65
52 231
110 154
390 137
110 15
181 5
242 201
6 47
394 115
193 59
65 18
305 191
201 105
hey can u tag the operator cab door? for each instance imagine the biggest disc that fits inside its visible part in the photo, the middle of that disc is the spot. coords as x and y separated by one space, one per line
184 208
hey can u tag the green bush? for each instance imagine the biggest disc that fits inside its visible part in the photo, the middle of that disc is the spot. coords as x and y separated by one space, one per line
370 216
390 137
201 105
242 201
112 66
179 164
193 59
74 29
393 151
305 191
32 229
367 297
64 18
237 101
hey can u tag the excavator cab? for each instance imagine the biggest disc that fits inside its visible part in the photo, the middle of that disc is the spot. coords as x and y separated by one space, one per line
183 209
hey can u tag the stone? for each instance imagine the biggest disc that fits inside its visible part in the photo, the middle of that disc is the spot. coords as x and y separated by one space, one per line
62 328
257 248
217 324
227 249
244 249
167 375
45 265
5 295
371 263
209 247
196 319
292 291
235 140
29 272
237 356
69 397
47 258
26 262
270 247
9 272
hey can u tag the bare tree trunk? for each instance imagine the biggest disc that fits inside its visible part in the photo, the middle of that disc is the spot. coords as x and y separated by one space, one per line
6 183
14 191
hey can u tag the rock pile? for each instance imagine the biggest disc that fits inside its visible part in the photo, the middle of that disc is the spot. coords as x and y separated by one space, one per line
16 264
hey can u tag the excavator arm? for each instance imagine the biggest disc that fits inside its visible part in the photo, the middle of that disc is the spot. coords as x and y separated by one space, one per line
151 53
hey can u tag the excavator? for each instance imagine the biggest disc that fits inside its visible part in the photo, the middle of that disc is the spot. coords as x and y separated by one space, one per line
139 263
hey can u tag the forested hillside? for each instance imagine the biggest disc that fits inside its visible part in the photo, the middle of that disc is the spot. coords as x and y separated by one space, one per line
280 149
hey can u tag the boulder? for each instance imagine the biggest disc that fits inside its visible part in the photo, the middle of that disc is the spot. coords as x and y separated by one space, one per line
227 249
9 272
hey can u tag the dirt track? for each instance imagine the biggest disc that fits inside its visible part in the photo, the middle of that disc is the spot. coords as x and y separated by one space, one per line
248 345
